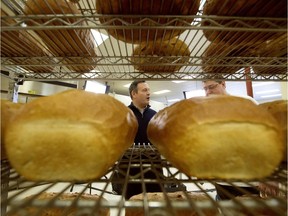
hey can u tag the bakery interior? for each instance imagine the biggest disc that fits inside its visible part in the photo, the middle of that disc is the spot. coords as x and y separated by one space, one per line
75 45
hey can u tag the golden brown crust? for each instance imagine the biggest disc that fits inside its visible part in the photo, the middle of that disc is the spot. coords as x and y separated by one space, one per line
15 44
179 195
66 43
146 7
274 47
231 131
55 211
8 110
278 109
173 47
242 8
222 54
73 135
172 196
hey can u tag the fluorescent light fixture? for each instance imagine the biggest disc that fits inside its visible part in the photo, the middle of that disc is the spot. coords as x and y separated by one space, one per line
99 38
178 81
194 93
267 91
262 84
127 85
96 87
173 100
269 96
162 91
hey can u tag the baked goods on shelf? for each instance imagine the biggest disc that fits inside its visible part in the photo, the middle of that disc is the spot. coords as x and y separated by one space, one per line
278 109
173 51
23 44
8 110
146 32
70 136
219 136
172 197
55 210
249 206
244 8
68 42
222 58
275 47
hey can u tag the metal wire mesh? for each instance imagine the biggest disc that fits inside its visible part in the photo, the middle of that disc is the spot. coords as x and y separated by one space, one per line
112 57
135 168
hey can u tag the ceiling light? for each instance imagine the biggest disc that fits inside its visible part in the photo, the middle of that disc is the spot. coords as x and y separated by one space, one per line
99 38
267 91
162 91
96 87
178 81
173 100
269 96
194 93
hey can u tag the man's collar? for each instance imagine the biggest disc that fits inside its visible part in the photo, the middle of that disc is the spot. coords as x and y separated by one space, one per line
132 104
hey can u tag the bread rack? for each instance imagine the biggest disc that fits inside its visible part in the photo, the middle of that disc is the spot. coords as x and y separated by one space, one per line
113 60
14 188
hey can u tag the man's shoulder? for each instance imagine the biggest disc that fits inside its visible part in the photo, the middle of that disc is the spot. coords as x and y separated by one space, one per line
151 110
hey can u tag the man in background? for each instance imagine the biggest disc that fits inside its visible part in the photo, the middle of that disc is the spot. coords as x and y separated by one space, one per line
218 87
140 95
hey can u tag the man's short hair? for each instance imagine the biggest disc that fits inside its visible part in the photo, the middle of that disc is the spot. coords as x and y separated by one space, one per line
133 86
216 78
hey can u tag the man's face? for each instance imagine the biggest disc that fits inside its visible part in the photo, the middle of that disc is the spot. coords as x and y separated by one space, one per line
212 87
142 97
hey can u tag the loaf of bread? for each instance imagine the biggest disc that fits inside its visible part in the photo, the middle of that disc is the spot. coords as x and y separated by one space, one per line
278 109
64 43
243 8
54 210
145 7
8 110
217 54
274 47
172 196
23 44
173 51
218 137
72 135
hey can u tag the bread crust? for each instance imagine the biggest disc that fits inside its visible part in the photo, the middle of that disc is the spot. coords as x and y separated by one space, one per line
173 47
56 211
274 47
65 43
222 54
146 7
218 137
243 8
73 135
278 109
8 110
15 44
172 197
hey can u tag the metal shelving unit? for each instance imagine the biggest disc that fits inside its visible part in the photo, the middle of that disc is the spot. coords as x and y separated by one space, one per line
15 188
113 62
